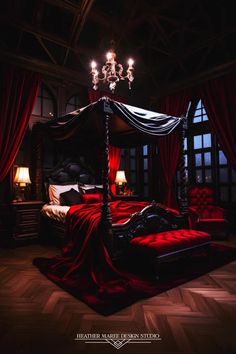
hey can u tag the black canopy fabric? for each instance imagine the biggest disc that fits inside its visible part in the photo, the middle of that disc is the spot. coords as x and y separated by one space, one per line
128 125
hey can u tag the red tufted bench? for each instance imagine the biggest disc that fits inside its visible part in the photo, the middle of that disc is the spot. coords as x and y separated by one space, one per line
171 244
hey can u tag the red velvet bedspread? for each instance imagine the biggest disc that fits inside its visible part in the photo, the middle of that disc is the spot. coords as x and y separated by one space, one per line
85 268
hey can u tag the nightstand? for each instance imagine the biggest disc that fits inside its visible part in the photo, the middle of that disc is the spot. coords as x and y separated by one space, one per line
26 220
131 198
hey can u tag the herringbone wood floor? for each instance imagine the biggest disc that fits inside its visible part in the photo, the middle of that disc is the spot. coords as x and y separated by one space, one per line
37 317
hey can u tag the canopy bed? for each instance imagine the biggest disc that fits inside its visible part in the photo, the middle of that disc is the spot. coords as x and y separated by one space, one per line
101 231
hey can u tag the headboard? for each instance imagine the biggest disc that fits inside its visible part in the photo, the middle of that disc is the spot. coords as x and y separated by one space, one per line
69 171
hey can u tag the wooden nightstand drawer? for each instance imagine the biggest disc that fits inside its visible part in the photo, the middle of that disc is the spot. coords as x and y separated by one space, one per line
27 216
26 220
25 235
24 228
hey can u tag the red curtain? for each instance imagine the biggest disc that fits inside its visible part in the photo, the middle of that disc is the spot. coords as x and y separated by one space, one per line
114 157
219 99
18 93
170 145
114 152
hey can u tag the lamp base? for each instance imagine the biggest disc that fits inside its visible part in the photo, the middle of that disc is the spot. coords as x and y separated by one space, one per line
120 189
20 194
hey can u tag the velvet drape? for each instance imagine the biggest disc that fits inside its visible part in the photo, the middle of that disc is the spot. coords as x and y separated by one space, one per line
219 99
170 145
114 152
85 268
19 90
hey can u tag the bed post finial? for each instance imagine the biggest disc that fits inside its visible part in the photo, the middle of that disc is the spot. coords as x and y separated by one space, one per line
183 173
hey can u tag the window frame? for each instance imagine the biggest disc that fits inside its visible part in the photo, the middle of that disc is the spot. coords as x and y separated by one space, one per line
200 128
75 105
44 95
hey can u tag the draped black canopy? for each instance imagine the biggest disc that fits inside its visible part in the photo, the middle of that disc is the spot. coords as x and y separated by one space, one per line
128 125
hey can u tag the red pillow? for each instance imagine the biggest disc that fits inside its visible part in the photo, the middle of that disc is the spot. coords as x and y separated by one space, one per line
91 198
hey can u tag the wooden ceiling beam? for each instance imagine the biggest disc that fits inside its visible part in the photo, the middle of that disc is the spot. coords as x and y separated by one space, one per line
45 35
65 5
172 52
80 21
197 79
46 49
77 26
35 31
52 70
207 42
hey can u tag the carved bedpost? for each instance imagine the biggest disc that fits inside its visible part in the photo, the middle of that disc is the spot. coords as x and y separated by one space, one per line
106 210
183 173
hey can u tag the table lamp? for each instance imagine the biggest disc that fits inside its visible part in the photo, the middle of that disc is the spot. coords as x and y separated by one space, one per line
120 182
22 179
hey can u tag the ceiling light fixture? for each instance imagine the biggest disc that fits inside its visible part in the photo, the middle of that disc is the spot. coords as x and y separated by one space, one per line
112 72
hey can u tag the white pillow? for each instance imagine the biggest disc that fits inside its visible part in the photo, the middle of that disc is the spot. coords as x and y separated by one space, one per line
55 190
86 187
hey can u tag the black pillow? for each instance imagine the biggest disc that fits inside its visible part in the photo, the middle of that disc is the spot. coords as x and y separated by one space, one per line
70 197
90 191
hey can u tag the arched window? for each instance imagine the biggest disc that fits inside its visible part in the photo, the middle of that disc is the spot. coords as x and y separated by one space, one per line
205 161
73 104
44 105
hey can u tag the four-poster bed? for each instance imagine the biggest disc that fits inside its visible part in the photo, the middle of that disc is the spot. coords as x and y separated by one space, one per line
102 123
101 232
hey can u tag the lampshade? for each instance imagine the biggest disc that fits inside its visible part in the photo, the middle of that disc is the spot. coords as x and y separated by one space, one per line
22 176
120 177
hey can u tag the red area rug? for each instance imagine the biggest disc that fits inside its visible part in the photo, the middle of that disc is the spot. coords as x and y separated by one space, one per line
172 274
86 270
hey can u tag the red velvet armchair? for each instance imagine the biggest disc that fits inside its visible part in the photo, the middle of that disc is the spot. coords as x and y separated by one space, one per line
211 217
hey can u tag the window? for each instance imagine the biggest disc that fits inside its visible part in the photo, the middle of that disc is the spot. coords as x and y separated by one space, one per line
185 164
205 160
200 113
128 163
202 145
145 171
132 168
44 105
136 163
73 104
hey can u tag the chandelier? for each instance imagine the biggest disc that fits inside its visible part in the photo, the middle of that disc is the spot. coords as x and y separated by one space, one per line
112 72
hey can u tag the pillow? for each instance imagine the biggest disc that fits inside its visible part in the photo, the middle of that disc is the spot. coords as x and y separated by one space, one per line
91 198
90 188
70 197
55 190
87 188
99 189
